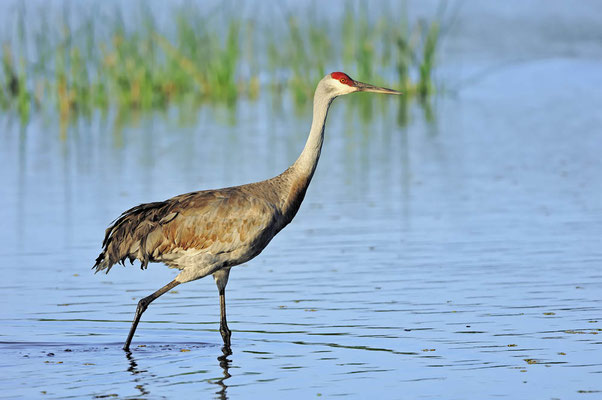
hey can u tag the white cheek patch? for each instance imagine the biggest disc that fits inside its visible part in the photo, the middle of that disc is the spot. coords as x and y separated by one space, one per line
343 88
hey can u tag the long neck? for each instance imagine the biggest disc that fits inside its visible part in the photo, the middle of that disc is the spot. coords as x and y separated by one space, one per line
296 179
307 161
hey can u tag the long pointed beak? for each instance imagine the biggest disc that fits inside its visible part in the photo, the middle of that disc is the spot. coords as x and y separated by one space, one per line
366 87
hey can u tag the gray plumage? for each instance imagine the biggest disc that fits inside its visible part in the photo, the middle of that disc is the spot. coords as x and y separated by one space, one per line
227 226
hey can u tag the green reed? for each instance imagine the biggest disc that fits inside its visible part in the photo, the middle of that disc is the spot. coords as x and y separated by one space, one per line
87 60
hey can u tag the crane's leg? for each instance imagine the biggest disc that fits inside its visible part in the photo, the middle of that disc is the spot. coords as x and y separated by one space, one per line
142 306
221 280
223 324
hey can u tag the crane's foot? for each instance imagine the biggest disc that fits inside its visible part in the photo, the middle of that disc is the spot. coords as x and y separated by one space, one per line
226 351
226 335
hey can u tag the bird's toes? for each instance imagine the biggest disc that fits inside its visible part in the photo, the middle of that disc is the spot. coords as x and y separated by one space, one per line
226 335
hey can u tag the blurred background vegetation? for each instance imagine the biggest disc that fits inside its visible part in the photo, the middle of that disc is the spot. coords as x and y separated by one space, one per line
80 58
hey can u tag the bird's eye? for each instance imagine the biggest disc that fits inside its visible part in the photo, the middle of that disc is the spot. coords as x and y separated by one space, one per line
343 80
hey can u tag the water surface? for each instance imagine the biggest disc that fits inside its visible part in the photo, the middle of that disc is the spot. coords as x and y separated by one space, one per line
456 258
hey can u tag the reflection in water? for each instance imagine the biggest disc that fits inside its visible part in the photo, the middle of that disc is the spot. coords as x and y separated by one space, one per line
426 103
403 114
135 371
22 180
141 376
224 363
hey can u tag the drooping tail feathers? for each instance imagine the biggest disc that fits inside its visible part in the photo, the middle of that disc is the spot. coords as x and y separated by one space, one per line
126 237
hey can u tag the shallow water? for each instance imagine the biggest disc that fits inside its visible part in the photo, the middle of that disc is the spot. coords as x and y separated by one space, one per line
459 258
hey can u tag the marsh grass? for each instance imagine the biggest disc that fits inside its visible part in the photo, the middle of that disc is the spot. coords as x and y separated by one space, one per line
92 59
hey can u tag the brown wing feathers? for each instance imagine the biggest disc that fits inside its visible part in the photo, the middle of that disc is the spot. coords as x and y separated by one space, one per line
216 221
131 228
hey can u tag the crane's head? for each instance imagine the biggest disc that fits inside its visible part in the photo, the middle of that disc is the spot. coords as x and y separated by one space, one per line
339 83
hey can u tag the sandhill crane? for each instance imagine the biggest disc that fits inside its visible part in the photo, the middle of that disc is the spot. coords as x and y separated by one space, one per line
210 231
